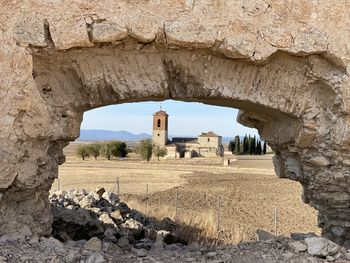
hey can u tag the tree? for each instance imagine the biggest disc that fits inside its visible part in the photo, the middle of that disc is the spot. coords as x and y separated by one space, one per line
245 145
118 149
145 149
159 152
252 142
106 150
264 148
83 151
94 149
259 149
237 145
231 146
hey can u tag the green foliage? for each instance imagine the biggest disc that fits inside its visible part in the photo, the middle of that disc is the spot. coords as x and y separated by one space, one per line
106 150
159 152
249 145
231 146
114 148
118 149
94 149
237 145
145 149
246 144
258 148
83 151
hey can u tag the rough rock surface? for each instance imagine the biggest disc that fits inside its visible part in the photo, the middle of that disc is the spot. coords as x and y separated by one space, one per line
118 243
285 64
76 219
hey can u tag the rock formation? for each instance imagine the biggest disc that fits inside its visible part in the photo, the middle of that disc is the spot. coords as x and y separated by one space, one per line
285 64
96 227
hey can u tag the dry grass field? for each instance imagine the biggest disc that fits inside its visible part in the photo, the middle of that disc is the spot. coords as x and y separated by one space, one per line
249 193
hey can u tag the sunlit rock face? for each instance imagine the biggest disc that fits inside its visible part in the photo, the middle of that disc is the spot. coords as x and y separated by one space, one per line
285 64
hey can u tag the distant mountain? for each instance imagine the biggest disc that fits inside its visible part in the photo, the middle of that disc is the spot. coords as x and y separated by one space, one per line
105 135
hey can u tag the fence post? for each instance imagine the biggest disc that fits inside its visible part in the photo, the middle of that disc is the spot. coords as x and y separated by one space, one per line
276 220
218 215
116 185
146 205
176 202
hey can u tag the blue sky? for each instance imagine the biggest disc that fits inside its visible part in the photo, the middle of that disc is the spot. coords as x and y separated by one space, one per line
185 118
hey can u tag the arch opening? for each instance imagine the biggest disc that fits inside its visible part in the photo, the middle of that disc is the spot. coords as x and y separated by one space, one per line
204 175
271 95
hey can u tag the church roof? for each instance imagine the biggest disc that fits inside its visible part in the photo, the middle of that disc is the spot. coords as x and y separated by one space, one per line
184 140
161 112
208 134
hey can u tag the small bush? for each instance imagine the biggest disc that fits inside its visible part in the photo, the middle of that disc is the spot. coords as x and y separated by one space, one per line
145 149
83 151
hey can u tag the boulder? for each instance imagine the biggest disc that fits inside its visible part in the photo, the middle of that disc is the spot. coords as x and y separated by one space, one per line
321 247
302 236
79 217
88 201
116 216
123 241
93 245
95 258
298 246
107 220
264 235
111 198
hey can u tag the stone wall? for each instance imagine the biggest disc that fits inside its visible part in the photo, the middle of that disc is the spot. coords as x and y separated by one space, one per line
59 59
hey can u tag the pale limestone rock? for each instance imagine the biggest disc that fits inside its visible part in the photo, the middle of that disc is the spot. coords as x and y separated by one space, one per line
107 31
69 33
30 32
286 63
319 160
106 219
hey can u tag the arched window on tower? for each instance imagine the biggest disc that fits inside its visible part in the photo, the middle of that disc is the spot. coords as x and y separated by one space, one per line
158 123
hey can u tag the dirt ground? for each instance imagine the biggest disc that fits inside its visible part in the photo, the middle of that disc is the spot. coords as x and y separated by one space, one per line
228 203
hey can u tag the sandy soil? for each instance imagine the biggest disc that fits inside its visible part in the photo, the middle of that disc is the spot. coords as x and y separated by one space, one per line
249 191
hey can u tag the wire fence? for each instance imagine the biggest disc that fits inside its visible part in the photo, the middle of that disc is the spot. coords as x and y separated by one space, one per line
220 213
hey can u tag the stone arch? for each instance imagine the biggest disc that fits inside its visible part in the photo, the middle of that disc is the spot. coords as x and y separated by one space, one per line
296 94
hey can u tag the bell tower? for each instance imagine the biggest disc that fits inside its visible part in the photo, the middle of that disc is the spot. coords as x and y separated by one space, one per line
160 128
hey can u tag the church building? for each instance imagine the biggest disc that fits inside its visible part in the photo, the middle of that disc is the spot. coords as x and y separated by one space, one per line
207 144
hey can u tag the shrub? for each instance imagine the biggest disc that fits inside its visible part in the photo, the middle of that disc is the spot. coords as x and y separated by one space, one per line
83 151
114 148
95 149
159 152
145 149
118 149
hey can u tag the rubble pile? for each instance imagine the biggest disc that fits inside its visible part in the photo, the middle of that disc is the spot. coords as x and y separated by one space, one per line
97 227
79 215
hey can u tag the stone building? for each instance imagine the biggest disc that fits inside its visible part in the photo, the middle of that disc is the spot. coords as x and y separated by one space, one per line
208 144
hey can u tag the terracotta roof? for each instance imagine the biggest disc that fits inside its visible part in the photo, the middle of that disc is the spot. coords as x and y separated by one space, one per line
184 140
208 134
161 112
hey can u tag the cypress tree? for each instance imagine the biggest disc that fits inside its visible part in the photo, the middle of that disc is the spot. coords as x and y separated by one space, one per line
237 145
232 146
264 148
254 146
245 145
259 149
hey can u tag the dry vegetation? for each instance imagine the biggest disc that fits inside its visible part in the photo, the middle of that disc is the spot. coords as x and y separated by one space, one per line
249 193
